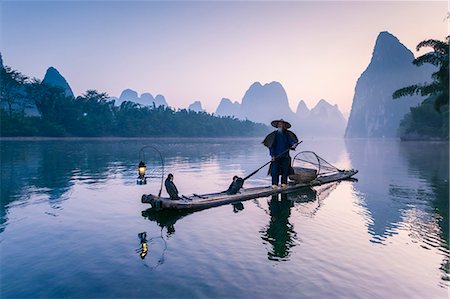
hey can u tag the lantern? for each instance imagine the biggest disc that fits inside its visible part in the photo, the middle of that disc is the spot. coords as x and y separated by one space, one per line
142 179
141 173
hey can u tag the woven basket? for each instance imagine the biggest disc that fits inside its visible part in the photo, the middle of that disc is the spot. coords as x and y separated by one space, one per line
303 175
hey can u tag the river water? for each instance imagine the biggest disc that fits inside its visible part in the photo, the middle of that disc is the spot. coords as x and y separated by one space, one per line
70 217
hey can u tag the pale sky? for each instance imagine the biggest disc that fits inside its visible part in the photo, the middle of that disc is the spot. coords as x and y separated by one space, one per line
204 51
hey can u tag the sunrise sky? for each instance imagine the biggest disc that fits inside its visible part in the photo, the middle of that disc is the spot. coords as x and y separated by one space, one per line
208 50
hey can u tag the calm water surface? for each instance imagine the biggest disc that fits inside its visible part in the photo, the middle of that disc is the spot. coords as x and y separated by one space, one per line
70 217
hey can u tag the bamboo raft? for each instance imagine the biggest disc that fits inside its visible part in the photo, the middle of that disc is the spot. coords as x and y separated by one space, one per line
204 201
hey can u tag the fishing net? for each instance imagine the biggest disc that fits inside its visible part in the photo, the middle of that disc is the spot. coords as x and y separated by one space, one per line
310 160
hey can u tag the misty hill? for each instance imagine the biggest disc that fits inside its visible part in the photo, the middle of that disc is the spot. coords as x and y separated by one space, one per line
302 110
323 109
264 103
324 120
53 77
146 99
228 108
196 107
374 113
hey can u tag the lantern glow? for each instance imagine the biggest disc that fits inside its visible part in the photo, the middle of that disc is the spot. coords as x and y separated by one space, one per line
141 180
141 170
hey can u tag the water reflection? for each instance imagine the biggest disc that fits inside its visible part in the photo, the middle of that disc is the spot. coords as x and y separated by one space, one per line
49 169
404 186
280 232
145 245
312 199
165 218
401 198
237 207
431 162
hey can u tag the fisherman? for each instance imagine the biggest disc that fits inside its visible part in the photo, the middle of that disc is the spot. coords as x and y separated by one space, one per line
279 142
171 188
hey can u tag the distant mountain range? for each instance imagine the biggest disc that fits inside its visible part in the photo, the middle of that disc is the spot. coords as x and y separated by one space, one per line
264 103
228 108
196 107
374 113
322 120
53 77
145 99
261 103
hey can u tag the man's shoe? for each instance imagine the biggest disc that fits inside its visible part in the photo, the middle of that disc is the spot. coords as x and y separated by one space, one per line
284 185
274 187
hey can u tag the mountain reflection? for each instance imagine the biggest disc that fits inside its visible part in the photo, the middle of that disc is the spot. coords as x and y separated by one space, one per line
431 163
404 185
50 168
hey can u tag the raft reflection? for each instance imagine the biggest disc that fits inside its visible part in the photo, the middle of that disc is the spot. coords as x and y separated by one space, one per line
279 233
166 218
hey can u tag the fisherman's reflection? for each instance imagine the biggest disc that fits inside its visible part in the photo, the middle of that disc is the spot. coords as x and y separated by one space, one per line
279 233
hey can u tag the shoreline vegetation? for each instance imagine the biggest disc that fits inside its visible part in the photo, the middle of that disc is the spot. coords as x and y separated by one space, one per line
183 124
430 119
93 114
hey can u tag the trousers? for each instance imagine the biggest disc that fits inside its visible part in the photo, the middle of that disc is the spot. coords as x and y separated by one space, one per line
280 166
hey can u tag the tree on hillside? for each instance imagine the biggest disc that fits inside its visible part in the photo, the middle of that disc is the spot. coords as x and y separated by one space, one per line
45 96
94 114
12 91
97 114
57 109
439 88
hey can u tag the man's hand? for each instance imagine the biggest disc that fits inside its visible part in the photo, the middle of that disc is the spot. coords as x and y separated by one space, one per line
295 145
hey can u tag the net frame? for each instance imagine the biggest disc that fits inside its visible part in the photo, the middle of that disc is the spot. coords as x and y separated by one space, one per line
323 166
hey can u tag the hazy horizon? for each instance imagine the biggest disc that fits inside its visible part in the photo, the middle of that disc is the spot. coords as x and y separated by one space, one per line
205 51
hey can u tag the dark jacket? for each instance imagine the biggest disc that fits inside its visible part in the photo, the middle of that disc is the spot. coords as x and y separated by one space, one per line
270 139
171 189
269 142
